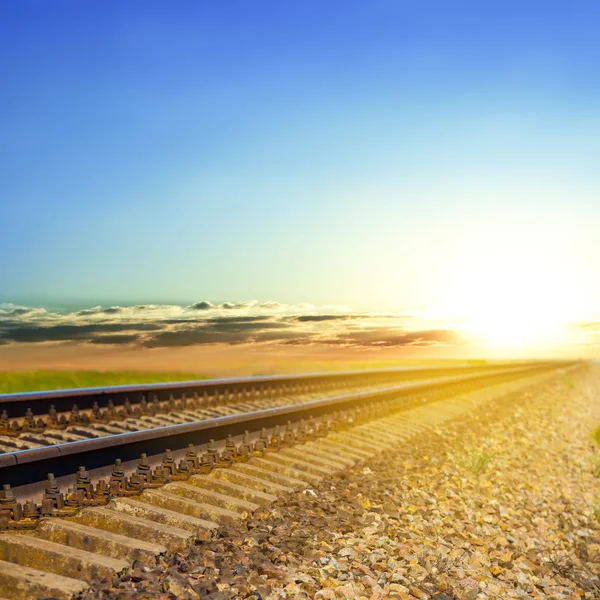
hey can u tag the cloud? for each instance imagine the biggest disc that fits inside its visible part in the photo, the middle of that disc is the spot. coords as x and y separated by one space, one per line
318 318
206 305
25 311
126 338
389 338
237 305
202 305
57 333
252 326
205 335
271 305
98 310
95 310
10 310
190 337
234 319
205 322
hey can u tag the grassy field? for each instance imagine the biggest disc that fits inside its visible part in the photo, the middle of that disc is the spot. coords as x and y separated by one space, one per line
32 381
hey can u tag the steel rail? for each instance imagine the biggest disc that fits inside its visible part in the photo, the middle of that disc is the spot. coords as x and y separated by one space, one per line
27 466
17 404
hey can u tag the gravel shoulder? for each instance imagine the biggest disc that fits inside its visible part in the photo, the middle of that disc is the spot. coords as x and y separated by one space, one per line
496 505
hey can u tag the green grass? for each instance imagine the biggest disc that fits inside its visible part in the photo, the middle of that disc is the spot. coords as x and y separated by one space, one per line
477 461
596 435
595 465
33 381
596 506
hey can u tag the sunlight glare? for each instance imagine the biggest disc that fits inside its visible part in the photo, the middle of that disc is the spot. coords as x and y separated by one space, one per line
513 298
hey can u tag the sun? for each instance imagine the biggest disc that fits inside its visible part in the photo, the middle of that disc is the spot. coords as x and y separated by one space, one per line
514 329
511 300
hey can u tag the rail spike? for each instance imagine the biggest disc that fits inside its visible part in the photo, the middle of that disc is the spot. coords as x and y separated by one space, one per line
144 472
74 500
184 470
4 423
261 445
31 515
289 435
14 430
207 463
227 457
119 483
11 511
85 485
246 447
143 468
160 476
74 417
169 466
191 456
111 411
54 502
275 439
96 410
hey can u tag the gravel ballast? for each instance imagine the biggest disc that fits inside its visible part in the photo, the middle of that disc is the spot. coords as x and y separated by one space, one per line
499 504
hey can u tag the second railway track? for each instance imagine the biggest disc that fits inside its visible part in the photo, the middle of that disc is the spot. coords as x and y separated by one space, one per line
33 420
63 533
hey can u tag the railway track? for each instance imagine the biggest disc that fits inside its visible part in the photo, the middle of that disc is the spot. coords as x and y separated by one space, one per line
146 493
33 420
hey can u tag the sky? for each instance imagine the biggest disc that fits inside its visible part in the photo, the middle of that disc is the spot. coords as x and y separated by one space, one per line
433 156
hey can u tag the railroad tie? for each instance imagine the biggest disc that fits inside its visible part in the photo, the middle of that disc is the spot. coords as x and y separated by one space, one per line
202 529
203 495
172 538
311 449
289 468
252 482
202 510
84 537
24 583
306 455
38 553
282 478
232 490
339 448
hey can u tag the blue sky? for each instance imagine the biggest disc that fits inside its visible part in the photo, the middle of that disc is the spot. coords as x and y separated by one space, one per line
332 152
